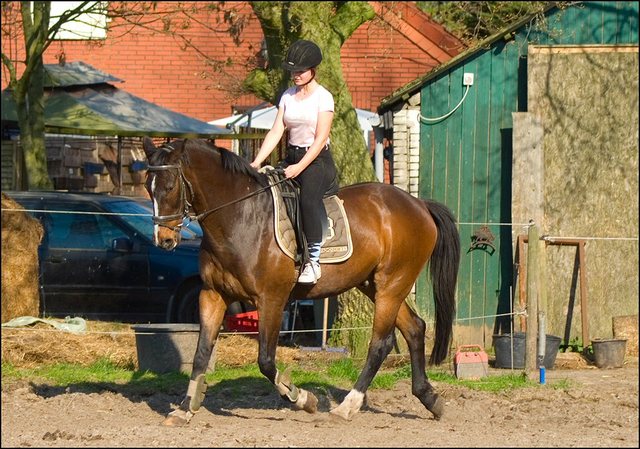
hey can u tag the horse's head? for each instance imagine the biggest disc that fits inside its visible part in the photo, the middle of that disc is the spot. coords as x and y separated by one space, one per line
169 191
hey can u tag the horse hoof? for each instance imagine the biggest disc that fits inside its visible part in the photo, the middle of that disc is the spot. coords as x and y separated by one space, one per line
174 421
307 401
341 413
177 418
437 408
311 405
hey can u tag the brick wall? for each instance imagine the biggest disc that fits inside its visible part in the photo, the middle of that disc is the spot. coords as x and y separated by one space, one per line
376 60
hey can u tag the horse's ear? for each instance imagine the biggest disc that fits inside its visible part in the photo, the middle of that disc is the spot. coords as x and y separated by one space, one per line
149 147
177 151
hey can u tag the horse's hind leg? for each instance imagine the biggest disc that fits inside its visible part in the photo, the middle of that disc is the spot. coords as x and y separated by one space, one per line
380 346
412 328
212 309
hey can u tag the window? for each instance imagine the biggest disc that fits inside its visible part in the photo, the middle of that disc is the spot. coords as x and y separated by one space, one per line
90 25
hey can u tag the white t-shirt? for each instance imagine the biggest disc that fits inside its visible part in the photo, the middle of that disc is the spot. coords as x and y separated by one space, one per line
301 116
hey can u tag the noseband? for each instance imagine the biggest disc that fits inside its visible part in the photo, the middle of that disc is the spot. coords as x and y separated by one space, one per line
185 205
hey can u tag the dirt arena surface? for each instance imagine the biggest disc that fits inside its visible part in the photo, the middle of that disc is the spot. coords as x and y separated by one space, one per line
589 407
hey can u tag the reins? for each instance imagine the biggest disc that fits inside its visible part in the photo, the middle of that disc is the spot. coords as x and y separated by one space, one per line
186 205
199 217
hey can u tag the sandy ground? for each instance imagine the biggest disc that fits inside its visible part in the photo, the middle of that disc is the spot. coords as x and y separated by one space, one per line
586 407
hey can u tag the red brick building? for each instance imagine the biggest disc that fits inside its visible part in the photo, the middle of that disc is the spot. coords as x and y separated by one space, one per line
399 45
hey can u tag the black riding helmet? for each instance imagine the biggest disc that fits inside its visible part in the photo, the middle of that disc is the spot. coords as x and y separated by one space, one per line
302 55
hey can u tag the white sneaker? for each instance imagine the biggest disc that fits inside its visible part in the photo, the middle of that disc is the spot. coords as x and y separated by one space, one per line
310 273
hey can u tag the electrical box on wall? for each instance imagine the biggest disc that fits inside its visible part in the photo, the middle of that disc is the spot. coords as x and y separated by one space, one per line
467 79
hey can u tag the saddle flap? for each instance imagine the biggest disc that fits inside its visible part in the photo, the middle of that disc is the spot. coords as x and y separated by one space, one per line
337 245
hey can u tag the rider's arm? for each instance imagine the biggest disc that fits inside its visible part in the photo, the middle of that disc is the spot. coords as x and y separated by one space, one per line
271 139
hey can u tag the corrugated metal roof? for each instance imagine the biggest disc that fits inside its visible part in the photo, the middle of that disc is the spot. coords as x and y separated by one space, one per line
75 74
79 100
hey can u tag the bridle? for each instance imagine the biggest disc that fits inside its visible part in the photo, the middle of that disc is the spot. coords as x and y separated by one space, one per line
185 204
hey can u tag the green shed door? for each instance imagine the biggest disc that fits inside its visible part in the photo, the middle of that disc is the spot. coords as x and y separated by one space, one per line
465 162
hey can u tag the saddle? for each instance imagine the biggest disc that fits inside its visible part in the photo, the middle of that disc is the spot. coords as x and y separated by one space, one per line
336 241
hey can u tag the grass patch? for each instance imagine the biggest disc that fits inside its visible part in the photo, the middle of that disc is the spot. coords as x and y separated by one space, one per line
492 384
234 380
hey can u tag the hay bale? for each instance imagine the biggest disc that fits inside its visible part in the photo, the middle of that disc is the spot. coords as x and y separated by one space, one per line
21 235
627 327
40 345
240 350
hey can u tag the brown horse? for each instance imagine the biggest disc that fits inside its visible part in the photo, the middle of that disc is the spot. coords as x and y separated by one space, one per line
394 236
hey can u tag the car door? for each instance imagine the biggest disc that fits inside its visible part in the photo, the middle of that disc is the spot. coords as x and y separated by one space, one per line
84 272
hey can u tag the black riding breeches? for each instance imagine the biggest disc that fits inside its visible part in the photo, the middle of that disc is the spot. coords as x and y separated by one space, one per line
314 182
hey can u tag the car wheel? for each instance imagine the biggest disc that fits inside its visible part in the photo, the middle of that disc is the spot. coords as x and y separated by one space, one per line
188 306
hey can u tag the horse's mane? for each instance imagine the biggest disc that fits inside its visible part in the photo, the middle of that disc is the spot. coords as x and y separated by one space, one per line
230 161
236 164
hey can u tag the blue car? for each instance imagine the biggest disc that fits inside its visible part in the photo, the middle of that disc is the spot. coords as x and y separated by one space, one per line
98 260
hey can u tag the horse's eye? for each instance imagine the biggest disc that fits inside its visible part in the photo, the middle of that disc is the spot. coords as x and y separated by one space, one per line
167 181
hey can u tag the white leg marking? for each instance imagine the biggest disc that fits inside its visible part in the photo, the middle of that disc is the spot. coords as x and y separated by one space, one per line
350 405
155 209
302 399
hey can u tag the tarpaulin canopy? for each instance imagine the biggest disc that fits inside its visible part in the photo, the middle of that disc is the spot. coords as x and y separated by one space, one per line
84 103
263 118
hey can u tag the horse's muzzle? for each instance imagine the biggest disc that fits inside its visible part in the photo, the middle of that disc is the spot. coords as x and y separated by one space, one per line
166 238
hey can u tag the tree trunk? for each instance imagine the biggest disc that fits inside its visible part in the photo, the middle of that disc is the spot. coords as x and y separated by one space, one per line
35 152
329 25
28 92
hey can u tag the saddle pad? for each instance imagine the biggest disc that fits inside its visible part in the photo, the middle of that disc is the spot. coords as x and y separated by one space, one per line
337 246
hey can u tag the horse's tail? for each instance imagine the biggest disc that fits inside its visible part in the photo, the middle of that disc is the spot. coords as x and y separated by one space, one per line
444 264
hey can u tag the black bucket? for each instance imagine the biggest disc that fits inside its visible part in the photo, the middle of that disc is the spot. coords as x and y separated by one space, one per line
609 353
502 345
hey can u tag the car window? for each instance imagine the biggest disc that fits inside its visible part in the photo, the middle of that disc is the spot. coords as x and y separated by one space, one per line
141 212
82 225
81 231
136 215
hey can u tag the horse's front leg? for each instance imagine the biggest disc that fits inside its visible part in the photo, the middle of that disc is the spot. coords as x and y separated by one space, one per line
212 310
269 329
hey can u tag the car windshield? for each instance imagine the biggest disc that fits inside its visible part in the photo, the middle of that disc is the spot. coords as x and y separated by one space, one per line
138 214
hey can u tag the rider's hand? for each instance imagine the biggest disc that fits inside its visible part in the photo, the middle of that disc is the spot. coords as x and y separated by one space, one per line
292 171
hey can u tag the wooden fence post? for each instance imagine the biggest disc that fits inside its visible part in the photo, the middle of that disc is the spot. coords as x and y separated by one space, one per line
533 280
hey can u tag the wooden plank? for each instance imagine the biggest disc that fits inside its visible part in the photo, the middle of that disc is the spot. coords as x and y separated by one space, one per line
432 138
628 22
528 169
584 313
499 265
441 138
455 127
533 279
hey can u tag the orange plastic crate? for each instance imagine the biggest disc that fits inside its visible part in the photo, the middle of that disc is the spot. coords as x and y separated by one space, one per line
242 322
